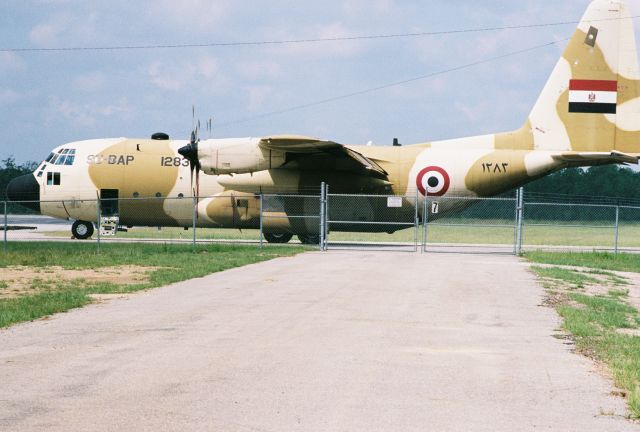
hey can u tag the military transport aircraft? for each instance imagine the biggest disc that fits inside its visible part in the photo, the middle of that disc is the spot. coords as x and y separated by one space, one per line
587 114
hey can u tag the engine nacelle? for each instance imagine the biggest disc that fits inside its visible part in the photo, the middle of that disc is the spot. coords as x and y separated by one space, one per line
236 156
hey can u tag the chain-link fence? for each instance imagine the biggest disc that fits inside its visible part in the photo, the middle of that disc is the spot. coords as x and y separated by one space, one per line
381 221
470 224
285 216
562 226
331 221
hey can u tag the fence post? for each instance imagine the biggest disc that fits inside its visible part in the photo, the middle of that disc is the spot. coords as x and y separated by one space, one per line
425 221
519 220
416 222
516 221
194 221
617 228
99 224
261 220
6 226
326 217
322 216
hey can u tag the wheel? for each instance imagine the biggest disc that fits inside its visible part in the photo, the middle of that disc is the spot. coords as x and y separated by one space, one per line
278 237
309 239
82 230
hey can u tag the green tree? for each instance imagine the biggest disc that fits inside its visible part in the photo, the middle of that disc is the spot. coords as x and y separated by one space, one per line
9 170
612 183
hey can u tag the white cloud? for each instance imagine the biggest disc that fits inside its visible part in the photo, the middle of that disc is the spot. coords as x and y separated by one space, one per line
71 29
202 72
377 7
162 78
342 49
259 69
90 82
423 90
10 62
87 114
191 16
258 95
9 96
45 34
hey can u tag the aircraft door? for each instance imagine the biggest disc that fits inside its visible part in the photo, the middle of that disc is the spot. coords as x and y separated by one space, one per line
109 202
109 212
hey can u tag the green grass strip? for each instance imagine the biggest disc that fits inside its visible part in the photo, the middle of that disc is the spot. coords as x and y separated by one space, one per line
596 260
596 321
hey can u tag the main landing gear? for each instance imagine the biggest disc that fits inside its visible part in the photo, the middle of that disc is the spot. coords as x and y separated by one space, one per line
309 239
281 238
278 238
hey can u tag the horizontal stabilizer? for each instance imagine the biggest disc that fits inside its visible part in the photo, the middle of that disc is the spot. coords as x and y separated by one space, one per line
597 158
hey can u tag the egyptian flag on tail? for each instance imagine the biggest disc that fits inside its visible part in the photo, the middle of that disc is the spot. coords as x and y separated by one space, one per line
593 96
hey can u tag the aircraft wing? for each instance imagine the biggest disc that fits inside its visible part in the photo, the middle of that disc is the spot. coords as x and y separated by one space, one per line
306 151
597 158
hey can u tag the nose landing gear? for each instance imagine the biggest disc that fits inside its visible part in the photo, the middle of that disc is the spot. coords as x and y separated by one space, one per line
82 230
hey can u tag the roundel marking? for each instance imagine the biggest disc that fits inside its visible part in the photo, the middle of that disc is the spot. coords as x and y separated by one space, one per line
433 181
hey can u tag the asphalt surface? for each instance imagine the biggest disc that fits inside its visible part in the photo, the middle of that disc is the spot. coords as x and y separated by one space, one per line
340 341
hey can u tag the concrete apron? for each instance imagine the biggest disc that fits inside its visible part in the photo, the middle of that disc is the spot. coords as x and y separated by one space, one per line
337 341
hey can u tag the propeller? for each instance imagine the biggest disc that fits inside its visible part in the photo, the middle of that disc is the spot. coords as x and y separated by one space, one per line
190 152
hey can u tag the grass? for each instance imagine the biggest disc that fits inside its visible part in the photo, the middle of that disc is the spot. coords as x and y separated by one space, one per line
594 260
571 277
492 231
172 233
173 264
596 321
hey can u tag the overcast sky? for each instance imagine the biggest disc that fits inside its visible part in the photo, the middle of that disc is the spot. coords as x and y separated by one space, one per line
49 98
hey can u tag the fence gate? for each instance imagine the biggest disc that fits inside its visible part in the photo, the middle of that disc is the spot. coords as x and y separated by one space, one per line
385 222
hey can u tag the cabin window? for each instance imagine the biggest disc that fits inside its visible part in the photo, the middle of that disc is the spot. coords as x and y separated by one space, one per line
62 157
53 178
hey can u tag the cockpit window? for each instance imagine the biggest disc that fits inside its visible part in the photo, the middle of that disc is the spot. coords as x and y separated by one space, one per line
63 156
49 157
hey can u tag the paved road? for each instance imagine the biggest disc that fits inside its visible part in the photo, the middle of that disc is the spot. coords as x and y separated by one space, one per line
341 341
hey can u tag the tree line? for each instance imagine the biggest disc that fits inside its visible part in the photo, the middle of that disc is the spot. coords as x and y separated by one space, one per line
9 170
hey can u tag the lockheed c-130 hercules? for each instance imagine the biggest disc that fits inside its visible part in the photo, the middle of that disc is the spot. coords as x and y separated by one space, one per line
587 114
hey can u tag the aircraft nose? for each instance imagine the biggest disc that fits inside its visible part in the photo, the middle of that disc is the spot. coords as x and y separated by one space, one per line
25 190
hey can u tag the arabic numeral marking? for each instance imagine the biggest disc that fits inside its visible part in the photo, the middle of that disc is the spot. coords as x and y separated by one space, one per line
495 168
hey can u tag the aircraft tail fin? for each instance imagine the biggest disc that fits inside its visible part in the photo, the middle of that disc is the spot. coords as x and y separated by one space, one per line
591 102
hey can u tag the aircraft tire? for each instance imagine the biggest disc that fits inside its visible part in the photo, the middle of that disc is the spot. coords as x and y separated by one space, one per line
309 239
82 230
278 238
